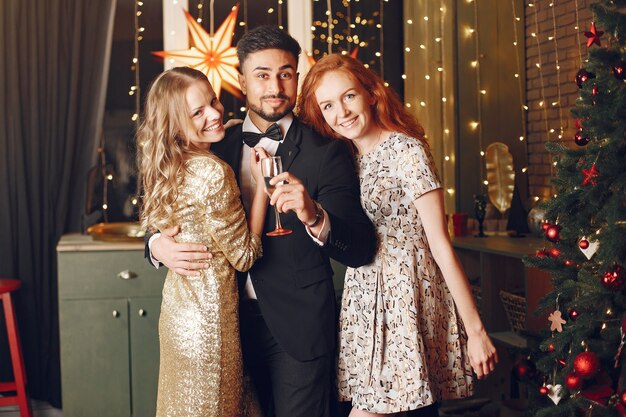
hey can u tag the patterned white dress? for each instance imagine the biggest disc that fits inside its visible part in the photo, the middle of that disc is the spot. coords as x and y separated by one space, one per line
402 346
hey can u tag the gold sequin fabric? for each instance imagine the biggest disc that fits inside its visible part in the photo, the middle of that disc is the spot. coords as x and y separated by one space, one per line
201 372
402 345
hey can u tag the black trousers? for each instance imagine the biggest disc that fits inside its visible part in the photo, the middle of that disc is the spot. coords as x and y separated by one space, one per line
285 386
428 411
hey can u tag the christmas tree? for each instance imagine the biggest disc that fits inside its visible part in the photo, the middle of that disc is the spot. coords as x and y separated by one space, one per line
581 364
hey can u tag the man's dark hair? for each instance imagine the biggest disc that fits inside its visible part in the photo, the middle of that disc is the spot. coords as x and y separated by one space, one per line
266 37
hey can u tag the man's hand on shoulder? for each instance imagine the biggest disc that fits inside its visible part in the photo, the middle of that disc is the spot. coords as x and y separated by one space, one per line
232 122
183 258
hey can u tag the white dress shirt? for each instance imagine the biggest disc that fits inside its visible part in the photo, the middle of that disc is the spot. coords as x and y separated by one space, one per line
248 185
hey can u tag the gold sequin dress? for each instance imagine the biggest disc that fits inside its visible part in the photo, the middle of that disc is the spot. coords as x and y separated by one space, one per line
201 371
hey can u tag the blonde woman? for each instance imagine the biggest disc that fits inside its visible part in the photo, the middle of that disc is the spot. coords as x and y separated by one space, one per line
185 184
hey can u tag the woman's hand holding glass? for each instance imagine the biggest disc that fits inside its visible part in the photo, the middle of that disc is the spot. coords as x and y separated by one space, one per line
256 155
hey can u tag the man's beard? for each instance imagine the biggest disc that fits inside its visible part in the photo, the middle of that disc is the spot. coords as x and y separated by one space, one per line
271 117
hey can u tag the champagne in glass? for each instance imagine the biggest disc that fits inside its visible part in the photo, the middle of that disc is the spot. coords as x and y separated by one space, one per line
269 187
270 167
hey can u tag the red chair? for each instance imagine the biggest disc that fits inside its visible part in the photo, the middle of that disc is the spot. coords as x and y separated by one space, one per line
7 286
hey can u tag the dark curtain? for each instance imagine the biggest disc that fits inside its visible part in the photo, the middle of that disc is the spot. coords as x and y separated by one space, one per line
53 70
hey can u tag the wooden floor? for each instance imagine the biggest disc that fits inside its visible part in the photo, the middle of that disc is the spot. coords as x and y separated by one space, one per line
453 408
40 409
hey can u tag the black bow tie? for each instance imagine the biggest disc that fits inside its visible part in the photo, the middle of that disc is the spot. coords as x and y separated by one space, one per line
273 132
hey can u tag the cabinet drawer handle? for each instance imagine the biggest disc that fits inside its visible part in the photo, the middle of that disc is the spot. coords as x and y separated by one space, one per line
127 274
116 313
142 312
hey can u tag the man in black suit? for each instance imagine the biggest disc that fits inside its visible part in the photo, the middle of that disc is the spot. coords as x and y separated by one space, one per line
287 307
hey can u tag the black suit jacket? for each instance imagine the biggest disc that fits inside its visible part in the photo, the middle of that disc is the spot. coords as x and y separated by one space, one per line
293 279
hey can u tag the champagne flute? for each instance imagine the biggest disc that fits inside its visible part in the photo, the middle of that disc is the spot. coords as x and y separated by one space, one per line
270 167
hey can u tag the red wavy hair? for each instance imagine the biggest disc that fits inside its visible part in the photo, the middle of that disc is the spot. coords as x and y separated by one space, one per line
388 111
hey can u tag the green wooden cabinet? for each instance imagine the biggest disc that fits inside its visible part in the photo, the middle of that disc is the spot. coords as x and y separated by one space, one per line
109 304
144 351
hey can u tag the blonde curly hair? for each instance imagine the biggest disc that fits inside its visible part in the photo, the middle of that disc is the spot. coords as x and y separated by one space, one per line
163 144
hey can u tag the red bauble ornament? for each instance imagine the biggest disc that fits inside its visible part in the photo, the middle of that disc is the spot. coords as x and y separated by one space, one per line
582 76
586 364
599 393
615 278
594 90
554 252
622 397
543 390
580 139
573 382
573 314
619 70
578 123
542 253
569 262
524 369
593 35
552 233
583 244
550 348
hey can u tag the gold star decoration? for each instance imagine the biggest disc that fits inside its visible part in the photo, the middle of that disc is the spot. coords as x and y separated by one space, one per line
556 321
214 56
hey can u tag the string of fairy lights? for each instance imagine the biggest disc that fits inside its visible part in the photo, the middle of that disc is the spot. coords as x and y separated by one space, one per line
350 25
543 104
105 179
331 25
535 35
381 40
244 23
279 13
135 89
428 85
348 39
440 40
557 102
477 124
330 31
518 66
200 7
557 65
577 29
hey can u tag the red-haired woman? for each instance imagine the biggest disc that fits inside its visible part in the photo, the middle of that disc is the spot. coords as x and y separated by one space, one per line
402 346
